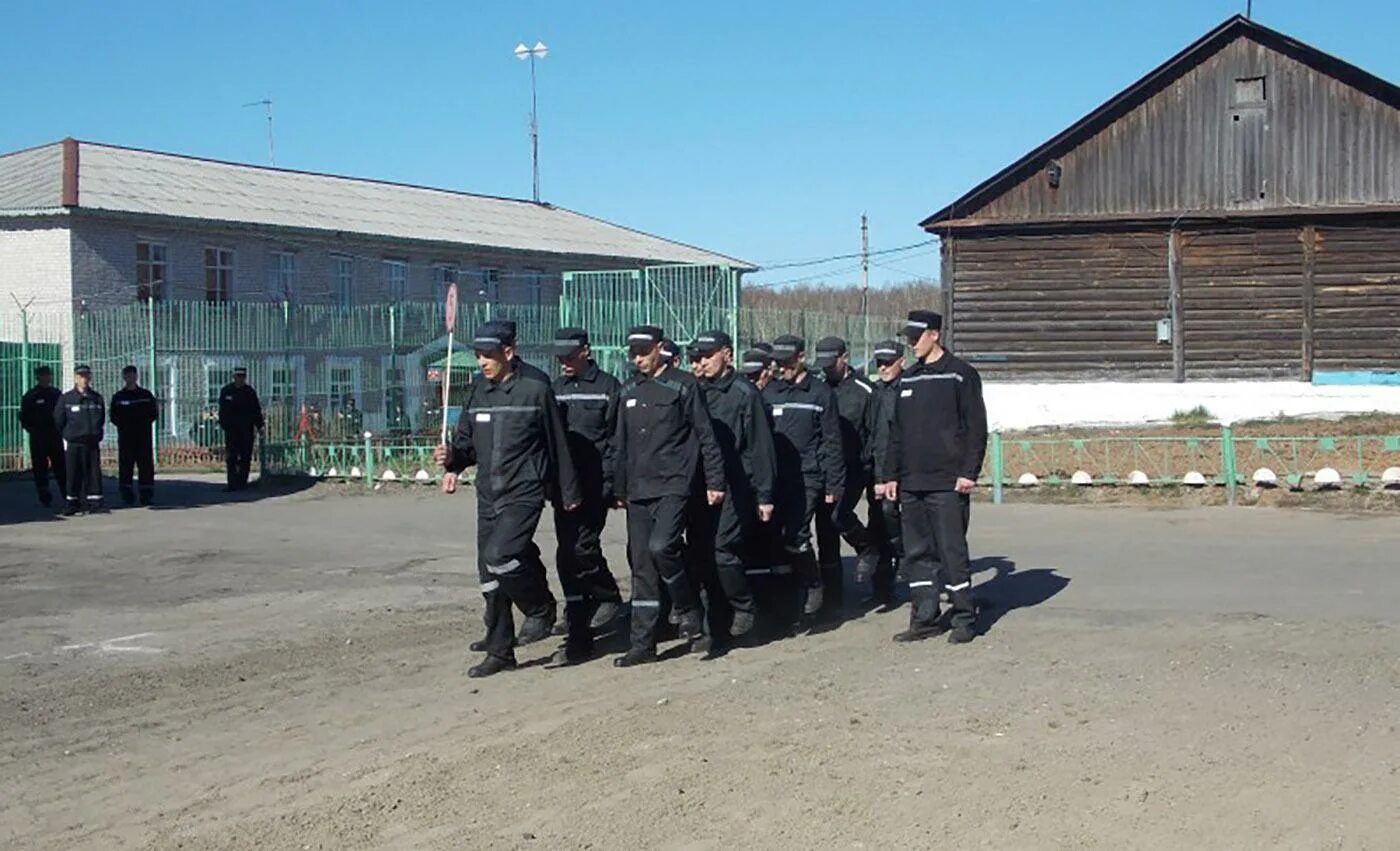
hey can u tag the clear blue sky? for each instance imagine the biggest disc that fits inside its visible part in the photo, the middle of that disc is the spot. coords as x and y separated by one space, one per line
761 129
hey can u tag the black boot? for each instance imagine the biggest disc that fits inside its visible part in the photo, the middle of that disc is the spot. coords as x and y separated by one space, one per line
148 496
478 646
45 498
867 564
70 508
534 629
692 624
918 632
128 496
962 634
490 665
569 655
605 615
635 656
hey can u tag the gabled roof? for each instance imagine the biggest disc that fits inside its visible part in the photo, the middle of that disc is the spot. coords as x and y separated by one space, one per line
131 181
1156 80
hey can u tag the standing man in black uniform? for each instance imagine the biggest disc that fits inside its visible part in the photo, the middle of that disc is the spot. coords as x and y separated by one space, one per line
587 398
884 516
936 447
718 535
665 454
241 417
757 367
855 405
36 417
511 429
133 413
80 416
811 466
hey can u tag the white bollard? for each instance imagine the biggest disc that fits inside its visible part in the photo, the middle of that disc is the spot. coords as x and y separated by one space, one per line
1327 478
1081 478
1265 478
1138 477
1194 479
1391 477
422 477
390 476
1028 480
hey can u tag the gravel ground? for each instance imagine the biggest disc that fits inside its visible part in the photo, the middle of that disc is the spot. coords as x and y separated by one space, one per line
286 670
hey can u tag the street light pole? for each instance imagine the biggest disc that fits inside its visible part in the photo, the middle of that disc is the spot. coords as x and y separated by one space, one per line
539 51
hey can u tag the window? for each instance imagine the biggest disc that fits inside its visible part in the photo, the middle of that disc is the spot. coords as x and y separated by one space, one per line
343 280
490 285
218 275
534 287
444 276
282 276
150 271
1249 91
283 387
342 380
396 279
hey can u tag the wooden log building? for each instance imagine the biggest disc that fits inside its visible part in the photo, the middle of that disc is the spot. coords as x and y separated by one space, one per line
1233 214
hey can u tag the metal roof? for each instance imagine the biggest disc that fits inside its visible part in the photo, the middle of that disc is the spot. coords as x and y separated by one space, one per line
125 180
1120 104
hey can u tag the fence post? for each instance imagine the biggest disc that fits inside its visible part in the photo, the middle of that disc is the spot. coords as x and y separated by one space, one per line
369 463
151 377
998 470
1227 462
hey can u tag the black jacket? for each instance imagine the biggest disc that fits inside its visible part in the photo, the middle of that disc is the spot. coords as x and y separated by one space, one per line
513 433
664 440
886 395
80 417
588 403
745 439
940 426
36 411
133 411
239 408
855 404
807 433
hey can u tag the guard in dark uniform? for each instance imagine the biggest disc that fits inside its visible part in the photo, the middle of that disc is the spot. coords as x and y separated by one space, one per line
719 533
666 456
587 398
241 418
511 430
36 417
936 445
80 416
133 413
811 466
884 516
855 405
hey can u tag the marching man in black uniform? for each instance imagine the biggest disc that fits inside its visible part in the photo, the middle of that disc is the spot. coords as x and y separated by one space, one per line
36 417
936 445
511 429
855 405
718 536
80 416
811 467
587 398
133 413
665 452
884 517
241 417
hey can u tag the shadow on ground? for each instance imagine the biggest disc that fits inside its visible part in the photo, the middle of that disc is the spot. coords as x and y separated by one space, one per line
1010 589
20 504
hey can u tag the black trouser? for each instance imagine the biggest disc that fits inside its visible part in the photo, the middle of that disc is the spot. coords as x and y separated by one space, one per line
583 569
716 537
935 554
134 450
838 521
84 468
655 534
511 572
45 455
884 528
797 506
238 456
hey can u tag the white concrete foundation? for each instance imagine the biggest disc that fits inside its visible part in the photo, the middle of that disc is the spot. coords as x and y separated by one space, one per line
1013 406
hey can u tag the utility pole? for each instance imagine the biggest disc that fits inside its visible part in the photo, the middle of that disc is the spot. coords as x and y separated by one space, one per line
865 286
539 51
266 104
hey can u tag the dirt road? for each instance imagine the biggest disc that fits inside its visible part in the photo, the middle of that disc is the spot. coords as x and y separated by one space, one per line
288 672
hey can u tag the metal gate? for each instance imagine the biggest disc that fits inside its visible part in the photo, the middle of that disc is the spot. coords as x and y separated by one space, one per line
684 300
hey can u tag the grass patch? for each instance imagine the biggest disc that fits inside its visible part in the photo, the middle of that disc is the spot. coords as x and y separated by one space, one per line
1197 416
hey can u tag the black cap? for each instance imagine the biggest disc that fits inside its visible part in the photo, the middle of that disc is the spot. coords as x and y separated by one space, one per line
644 336
43 370
670 351
921 321
241 370
829 349
888 351
494 335
567 341
766 348
129 368
82 369
709 342
755 360
788 346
